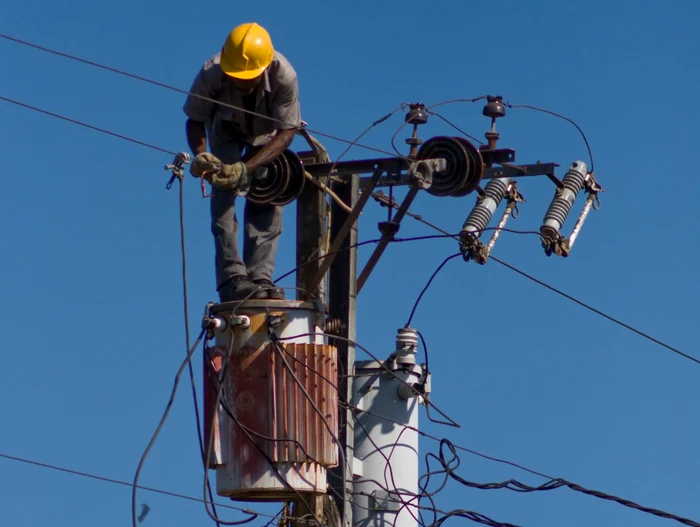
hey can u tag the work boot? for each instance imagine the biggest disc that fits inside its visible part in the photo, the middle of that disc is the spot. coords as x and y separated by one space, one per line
240 288
271 290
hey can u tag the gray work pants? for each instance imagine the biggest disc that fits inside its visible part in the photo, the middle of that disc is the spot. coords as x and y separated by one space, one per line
261 231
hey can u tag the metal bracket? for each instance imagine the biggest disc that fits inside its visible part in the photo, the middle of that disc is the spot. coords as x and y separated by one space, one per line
181 159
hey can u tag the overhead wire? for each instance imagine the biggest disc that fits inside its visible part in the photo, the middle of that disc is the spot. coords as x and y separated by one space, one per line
124 483
86 125
552 484
559 291
558 115
185 92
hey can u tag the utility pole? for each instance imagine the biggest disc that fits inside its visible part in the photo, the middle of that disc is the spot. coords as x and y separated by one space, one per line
298 419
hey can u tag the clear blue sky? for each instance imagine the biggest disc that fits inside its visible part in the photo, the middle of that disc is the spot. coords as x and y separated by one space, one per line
91 314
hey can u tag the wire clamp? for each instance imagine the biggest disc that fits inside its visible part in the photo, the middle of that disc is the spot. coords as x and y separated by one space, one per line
181 159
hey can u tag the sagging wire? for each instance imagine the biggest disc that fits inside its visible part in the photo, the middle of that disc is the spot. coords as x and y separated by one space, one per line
341 451
555 114
393 137
391 470
381 363
381 199
360 244
455 126
427 285
451 465
183 255
245 429
166 412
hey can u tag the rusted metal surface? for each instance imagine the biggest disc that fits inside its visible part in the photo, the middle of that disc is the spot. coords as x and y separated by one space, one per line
273 419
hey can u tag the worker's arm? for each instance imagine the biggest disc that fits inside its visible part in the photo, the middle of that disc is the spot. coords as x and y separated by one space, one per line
196 136
286 111
278 144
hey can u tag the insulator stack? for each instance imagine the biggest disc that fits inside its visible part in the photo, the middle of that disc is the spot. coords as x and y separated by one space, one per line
264 414
564 198
486 205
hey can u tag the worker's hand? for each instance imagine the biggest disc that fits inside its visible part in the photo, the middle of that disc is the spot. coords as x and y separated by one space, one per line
231 176
205 164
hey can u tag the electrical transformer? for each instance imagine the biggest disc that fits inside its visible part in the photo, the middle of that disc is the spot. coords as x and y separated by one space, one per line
270 400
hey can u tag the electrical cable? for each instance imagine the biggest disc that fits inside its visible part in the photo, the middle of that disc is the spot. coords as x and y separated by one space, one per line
555 114
277 344
86 125
381 364
183 254
159 428
596 311
455 127
452 101
432 277
179 90
224 370
555 290
360 244
391 470
552 484
124 483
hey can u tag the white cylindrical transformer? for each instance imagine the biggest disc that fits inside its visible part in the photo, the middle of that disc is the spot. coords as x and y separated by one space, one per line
385 494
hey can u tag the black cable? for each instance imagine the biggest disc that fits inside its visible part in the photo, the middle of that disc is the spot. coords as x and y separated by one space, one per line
124 483
277 344
552 484
224 369
91 127
160 426
590 155
360 244
432 277
559 292
596 311
391 470
473 516
221 380
382 365
375 123
183 254
178 90
452 101
456 127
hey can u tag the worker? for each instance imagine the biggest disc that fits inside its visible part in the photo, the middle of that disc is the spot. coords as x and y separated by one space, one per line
247 73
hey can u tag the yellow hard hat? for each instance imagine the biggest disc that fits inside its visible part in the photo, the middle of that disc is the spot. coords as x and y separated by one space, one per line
247 51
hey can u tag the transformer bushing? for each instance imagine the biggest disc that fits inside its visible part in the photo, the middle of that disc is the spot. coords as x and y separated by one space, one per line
564 198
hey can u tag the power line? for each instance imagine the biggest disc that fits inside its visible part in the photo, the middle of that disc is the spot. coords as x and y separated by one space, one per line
595 310
185 92
86 125
550 287
124 483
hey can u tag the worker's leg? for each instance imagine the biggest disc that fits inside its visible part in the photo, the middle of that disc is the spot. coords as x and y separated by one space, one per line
231 274
263 227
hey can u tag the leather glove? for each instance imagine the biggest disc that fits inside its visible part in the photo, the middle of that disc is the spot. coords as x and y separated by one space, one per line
205 163
231 177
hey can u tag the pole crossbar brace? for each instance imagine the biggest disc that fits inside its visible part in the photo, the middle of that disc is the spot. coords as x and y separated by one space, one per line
387 237
344 230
